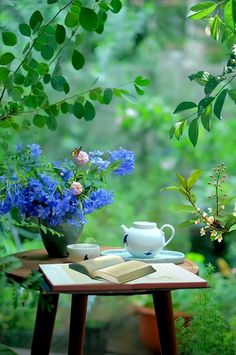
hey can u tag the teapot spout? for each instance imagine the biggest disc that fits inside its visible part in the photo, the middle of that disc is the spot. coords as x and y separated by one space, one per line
124 228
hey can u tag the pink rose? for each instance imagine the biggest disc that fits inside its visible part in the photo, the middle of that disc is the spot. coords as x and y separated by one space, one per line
81 158
76 187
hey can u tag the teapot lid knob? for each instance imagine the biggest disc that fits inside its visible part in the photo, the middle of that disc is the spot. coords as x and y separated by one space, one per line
144 225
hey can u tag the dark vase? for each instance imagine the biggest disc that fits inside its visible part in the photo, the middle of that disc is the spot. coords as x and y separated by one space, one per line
56 245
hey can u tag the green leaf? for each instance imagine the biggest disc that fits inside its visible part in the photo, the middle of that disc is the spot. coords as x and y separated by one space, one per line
215 27
47 52
232 228
116 6
193 131
201 77
35 20
9 38
51 1
89 111
183 106
60 34
16 93
203 13
107 96
232 95
211 84
206 117
228 15
88 19
77 60
51 123
75 8
178 129
185 224
64 107
47 78
140 81
72 19
182 180
66 88
25 29
183 208
30 101
219 103
204 103
6 58
138 90
202 6
39 120
18 79
193 178
78 110
4 73
58 82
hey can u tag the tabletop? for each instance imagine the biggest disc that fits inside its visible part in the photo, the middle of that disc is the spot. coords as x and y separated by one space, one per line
32 258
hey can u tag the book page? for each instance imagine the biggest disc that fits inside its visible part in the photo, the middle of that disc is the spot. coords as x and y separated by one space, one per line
124 272
91 265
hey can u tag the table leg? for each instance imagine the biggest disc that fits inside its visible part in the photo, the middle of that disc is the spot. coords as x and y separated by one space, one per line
165 322
44 323
77 324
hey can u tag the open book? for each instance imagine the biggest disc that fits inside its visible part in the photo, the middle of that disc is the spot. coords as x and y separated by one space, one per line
113 268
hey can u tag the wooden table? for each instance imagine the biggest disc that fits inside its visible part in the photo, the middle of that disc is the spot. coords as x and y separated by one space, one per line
45 317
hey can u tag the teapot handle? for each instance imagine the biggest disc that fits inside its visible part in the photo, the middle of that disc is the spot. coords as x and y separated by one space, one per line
172 235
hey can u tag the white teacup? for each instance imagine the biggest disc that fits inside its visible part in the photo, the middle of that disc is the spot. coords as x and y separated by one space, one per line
83 251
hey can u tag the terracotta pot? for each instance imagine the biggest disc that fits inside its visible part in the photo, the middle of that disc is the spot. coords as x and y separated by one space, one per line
148 331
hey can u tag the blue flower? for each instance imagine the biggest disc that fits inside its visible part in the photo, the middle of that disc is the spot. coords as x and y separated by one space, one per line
35 150
126 159
97 199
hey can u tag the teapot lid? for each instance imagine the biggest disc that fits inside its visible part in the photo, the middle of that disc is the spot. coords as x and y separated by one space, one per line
144 225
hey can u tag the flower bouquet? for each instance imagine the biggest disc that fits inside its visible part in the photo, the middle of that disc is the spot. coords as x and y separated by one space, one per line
55 193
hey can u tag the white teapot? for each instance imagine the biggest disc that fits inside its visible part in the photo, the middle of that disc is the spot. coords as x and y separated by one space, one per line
144 239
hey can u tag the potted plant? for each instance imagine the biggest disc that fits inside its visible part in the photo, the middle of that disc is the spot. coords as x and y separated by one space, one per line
58 194
147 324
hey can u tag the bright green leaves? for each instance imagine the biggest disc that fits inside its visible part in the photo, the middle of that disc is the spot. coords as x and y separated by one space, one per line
4 73
35 20
216 26
60 34
25 29
140 81
88 19
184 187
72 20
6 58
116 6
202 10
9 38
228 14
77 60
